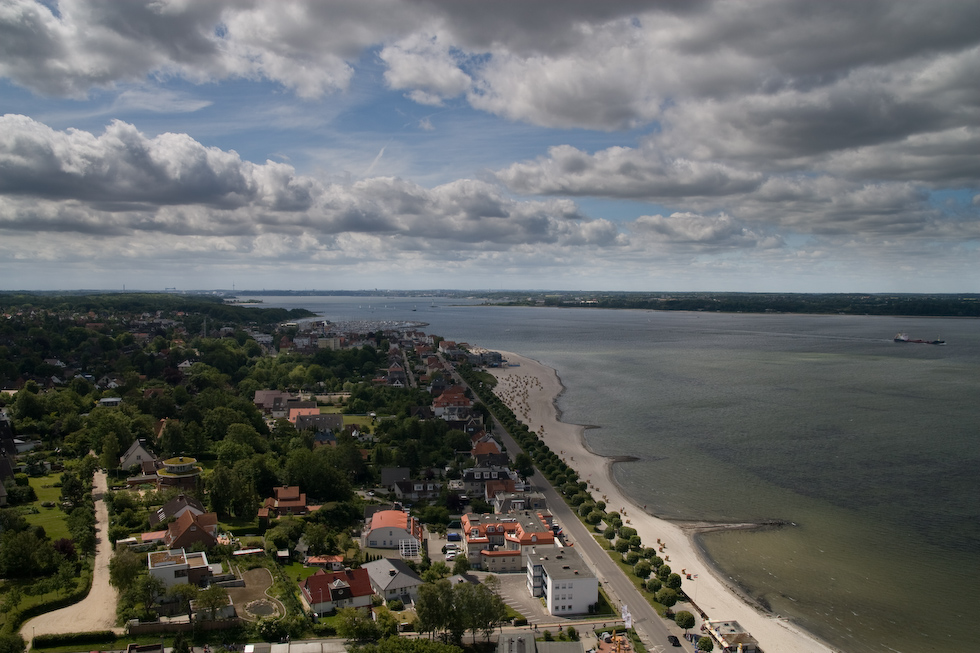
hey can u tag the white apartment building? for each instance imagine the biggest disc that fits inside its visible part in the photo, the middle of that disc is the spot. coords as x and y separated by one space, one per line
561 576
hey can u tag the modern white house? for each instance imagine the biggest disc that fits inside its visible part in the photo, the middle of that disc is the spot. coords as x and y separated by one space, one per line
560 575
177 566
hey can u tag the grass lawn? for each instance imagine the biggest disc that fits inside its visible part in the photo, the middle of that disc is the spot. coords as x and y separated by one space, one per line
239 527
297 572
54 520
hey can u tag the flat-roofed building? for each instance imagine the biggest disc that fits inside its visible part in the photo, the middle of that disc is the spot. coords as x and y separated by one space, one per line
561 577
177 566
730 636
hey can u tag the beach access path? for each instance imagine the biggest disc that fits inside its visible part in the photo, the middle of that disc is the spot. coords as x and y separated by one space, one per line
97 611
531 389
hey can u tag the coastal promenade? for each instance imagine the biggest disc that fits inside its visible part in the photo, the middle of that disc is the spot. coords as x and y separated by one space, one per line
531 389
652 629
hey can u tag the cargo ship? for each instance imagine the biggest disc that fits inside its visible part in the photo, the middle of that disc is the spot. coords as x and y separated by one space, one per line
903 337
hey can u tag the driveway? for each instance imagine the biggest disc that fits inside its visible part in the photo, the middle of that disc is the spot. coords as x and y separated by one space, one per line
97 611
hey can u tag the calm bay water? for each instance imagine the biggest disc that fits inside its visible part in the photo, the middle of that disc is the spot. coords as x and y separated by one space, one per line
871 448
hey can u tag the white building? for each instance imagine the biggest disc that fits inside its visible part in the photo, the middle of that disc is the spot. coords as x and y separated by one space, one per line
561 576
176 566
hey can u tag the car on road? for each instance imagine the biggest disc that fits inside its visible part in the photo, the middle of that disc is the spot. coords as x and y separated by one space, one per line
673 640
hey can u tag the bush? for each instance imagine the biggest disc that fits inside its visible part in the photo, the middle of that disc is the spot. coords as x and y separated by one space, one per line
12 643
70 639
396 604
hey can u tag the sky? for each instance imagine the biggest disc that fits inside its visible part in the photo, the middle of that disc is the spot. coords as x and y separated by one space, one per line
744 145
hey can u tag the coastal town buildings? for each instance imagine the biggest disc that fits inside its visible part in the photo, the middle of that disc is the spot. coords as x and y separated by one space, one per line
495 543
561 577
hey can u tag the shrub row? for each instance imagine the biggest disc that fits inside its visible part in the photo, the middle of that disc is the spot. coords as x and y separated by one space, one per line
70 639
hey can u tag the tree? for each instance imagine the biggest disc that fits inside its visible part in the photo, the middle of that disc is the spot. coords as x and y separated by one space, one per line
353 626
147 589
643 569
705 644
12 642
461 565
124 568
673 581
684 619
523 465
185 593
667 597
213 599
428 607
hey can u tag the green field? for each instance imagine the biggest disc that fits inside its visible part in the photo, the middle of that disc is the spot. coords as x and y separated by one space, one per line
54 520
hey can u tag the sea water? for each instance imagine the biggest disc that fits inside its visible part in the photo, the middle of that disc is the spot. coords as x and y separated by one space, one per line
868 449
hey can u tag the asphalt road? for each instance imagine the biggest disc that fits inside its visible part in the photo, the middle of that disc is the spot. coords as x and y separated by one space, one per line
650 627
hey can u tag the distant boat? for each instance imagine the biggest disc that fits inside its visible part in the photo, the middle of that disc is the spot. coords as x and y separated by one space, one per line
415 308
904 337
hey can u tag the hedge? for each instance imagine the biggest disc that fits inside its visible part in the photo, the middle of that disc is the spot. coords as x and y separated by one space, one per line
68 639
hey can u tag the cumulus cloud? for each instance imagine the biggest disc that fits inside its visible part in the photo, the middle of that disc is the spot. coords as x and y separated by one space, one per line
426 67
625 173
122 181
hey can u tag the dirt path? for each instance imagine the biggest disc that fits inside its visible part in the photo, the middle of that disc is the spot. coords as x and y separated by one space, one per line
97 611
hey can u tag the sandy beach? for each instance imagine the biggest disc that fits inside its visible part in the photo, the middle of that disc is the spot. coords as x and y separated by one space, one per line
530 389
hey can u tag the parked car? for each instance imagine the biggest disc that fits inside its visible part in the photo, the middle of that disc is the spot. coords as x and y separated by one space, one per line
673 640
454 537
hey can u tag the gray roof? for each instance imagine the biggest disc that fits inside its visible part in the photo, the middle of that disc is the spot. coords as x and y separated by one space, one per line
388 574
560 563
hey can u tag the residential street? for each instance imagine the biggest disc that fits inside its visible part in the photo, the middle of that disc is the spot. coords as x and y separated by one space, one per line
97 611
652 629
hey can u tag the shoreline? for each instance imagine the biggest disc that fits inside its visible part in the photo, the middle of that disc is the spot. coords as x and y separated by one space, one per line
531 390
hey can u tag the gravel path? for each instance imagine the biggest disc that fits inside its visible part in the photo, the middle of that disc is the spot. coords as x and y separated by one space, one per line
97 611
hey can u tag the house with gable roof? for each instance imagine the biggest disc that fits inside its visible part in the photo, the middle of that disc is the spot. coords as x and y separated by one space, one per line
325 592
393 579
288 500
176 507
387 529
452 403
191 528
136 455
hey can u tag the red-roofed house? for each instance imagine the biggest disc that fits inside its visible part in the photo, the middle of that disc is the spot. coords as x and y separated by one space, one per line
386 529
190 528
288 500
301 408
452 403
325 592
333 563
